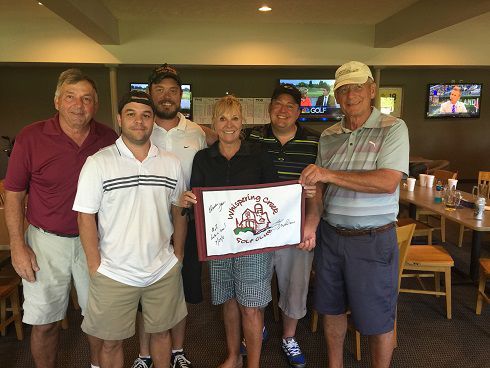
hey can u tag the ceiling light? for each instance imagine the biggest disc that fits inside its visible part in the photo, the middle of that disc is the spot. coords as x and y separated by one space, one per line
265 8
39 3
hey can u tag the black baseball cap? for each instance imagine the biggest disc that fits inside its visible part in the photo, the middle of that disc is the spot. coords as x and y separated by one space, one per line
135 96
161 72
288 89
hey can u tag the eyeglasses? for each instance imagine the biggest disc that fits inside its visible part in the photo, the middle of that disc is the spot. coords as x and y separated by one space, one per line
355 88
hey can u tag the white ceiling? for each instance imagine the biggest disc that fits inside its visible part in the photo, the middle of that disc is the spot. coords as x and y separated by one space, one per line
283 11
233 32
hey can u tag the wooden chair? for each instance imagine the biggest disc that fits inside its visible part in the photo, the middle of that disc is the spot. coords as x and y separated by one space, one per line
9 292
2 193
404 237
484 275
421 228
433 260
483 178
9 281
441 175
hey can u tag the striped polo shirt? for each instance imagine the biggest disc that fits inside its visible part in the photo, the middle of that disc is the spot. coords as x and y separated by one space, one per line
289 159
380 143
133 202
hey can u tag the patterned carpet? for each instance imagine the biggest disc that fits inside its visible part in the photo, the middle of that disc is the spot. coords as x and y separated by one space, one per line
425 337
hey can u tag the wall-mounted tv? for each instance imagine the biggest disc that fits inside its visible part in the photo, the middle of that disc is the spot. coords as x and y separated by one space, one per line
185 103
453 100
317 102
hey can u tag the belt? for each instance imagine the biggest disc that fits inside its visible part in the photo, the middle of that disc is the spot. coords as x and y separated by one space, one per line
57 234
359 232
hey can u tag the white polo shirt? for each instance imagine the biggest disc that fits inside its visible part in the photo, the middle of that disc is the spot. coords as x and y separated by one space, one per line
133 202
183 141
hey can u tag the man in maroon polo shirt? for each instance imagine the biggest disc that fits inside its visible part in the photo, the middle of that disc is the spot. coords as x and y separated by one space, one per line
45 163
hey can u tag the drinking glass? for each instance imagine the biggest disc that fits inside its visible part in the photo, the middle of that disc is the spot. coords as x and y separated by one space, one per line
452 198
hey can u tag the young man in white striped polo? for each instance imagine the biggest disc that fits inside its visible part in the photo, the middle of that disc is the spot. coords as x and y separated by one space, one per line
133 187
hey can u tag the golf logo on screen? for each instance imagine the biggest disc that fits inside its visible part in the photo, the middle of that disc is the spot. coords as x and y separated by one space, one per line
314 109
253 219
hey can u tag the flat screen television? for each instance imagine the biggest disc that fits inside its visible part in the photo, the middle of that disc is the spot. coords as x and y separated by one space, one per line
453 100
185 103
318 102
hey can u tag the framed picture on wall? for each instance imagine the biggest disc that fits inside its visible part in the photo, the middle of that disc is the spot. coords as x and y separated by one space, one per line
390 100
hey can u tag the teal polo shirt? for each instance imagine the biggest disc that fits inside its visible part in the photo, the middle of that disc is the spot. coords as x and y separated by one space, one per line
380 143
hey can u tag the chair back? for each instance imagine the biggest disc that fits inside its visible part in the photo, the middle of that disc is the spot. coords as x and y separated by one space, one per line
484 182
4 234
2 193
443 175
484 177
404 237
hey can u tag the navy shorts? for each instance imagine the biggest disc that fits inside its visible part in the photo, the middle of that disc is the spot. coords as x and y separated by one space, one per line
359 273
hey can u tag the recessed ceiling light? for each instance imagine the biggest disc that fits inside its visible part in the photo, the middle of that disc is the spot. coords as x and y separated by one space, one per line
39 3
265 8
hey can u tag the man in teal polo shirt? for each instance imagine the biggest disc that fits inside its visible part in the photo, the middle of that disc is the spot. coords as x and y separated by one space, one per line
360 163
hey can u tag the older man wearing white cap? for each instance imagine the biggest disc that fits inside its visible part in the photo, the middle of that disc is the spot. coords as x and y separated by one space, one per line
358 169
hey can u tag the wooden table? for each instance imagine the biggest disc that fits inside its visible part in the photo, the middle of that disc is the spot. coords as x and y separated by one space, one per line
424 197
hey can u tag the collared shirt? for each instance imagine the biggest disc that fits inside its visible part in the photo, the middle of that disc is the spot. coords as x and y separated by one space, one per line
447 107
291 158
133 202
380 143
185 140
46 163
250 165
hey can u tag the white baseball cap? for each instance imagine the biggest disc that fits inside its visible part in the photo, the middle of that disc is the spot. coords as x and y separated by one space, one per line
353 72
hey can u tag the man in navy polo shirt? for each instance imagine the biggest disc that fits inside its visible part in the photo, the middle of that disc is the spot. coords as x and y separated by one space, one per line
45 163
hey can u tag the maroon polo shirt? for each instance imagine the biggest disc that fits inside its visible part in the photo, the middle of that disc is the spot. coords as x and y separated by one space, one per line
47 163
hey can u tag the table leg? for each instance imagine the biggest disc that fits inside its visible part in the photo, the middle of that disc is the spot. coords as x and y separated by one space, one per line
475 254
412 210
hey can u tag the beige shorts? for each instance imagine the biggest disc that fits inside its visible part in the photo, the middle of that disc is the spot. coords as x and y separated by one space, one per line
293 268
58 258
112 306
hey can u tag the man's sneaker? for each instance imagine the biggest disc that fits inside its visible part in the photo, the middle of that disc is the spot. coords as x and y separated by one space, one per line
293 352
142 363
179 360
243 345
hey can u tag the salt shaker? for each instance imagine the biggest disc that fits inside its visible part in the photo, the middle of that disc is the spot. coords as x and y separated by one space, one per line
479 208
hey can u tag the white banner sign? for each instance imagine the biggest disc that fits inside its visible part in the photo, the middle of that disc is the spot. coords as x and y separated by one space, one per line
245 220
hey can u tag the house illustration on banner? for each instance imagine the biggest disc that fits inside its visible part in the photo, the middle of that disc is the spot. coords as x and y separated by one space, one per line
255 221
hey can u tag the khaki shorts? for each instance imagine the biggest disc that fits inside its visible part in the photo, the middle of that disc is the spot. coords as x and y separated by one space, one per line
59 258
293 268
112 306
